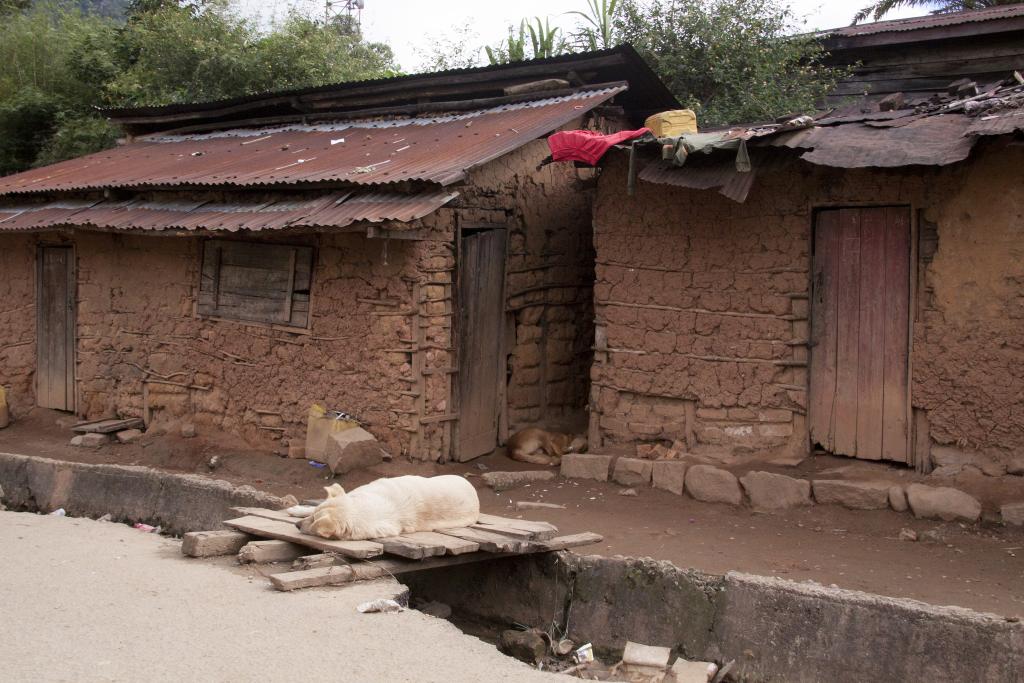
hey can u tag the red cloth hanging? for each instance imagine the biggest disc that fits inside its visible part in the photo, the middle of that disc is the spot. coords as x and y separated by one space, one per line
586 145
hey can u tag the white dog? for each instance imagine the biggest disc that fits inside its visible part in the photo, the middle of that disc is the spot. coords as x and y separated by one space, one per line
389 507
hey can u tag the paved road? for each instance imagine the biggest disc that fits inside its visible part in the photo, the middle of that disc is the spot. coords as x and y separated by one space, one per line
89 601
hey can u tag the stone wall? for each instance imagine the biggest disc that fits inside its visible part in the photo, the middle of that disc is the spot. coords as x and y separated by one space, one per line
18 320
702 304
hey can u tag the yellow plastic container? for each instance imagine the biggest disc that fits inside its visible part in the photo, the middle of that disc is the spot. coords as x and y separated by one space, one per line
671 124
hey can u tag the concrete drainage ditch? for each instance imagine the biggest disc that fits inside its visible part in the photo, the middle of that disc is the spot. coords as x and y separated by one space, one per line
775 630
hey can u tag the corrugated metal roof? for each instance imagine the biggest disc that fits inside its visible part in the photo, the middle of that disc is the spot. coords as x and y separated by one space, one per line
439 150
929 21
334 210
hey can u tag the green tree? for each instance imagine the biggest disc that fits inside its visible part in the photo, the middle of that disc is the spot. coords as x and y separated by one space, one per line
879 9
58 63
731 61
457 49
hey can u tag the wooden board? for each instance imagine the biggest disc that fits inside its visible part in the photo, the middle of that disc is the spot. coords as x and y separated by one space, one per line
871 337
481 313
452 545
489 541
540 531
334 576
107 426
848 329
823 328
285 531
412 548
279 515
55 328
896 390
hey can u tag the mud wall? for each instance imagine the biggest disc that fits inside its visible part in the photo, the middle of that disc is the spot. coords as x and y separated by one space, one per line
549 280
18 320
702 306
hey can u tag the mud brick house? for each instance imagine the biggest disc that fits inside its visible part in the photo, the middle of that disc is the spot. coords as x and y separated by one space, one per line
860 290
388 247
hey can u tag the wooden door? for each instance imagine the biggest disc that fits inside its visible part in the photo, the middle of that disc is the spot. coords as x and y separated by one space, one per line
860 342
55 328
481 315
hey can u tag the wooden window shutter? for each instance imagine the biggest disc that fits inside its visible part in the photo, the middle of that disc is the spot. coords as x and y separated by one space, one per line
267 283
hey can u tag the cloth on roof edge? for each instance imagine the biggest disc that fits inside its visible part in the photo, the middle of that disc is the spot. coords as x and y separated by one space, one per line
586 145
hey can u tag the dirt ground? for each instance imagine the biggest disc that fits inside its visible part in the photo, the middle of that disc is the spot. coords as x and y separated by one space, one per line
92 601
976 566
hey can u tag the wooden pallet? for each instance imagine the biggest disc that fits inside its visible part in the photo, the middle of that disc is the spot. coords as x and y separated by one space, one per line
490 538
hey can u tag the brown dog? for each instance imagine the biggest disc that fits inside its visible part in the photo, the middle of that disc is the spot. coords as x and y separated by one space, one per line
525 445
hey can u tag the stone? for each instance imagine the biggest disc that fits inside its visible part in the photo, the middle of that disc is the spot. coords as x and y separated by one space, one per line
213 543
2 506
713 485
1013 513
856 495
646 655
633 471
1015 466
628 492
898 499
265 551
90 440
950 456
908 535
188 431
686 671
586 466
352 449
947 471
129 435
527 646
669 475
769 491
298 452
942 502
992 468
503 481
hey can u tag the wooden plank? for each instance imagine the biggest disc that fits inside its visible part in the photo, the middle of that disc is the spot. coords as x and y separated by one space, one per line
571 541
317 561
871 339
55 337
285 531
213 543
452 545
334 576
505 531
279 515
823 328
896 392
108 426
270 551
539 528
481 281
489 541
328 576
414 549
847 330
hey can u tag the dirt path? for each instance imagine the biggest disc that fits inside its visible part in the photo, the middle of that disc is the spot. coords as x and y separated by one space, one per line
981 567
91 601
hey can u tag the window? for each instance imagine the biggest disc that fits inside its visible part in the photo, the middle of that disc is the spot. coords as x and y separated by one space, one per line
260 282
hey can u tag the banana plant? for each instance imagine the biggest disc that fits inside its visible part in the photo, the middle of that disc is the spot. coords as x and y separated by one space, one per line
599 28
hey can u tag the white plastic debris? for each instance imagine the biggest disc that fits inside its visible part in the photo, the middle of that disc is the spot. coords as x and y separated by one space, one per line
381 605
59 512
584 653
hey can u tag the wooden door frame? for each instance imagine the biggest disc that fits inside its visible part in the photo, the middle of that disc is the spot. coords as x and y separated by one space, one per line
41 245
456 337
914 209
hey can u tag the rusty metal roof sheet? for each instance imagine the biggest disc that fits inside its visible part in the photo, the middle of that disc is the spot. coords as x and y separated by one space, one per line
438 149
334 210
928 21
1001 123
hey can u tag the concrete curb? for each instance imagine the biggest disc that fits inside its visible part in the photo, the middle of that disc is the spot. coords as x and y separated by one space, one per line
776 630
176 502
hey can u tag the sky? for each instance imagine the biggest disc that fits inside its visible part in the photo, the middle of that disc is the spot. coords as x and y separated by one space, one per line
411 26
